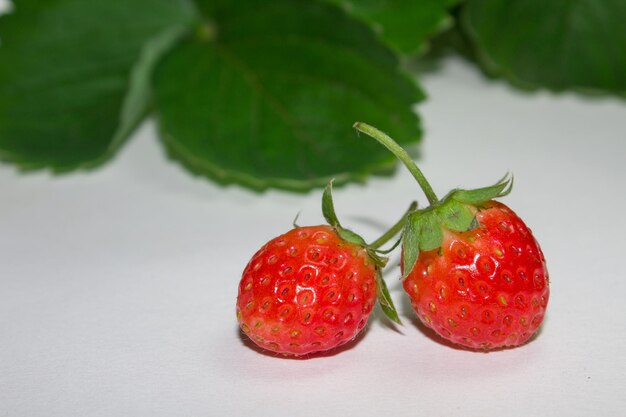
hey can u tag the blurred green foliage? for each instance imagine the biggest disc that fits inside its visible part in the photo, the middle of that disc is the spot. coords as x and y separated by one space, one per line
263 93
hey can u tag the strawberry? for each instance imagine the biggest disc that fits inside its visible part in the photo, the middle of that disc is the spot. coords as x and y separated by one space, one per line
471 267
312 288
483 288
307 290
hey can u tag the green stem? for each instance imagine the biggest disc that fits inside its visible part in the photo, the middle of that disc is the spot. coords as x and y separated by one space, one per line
402 155
394 230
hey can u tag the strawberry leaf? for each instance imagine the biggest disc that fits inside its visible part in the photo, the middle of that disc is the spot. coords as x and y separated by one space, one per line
556 44
270 105
405 25
384 299
74 76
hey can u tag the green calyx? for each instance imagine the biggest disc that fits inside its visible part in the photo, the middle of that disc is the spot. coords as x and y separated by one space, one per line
384 299
479 196
424 229
375 254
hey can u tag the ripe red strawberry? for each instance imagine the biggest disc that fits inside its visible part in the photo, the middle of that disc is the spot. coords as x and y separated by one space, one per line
311 289
306 291
484 288
471 267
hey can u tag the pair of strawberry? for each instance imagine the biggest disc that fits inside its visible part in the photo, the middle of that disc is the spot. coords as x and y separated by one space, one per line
470 266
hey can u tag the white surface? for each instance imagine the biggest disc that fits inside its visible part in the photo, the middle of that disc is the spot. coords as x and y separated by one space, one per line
118 286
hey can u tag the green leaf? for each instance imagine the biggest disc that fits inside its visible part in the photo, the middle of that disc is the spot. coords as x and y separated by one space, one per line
406 25
455 216
429 228
481 195
137 99
73 76
266 96
557 44
328 207
410 247
384 299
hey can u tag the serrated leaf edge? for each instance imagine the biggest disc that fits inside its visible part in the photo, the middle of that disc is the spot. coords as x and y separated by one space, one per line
445 22
227 177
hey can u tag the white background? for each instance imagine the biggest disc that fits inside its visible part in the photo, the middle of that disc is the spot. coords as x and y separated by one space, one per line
117 287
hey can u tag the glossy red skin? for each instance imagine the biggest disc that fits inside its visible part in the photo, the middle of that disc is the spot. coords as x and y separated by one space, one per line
306 291
487 288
